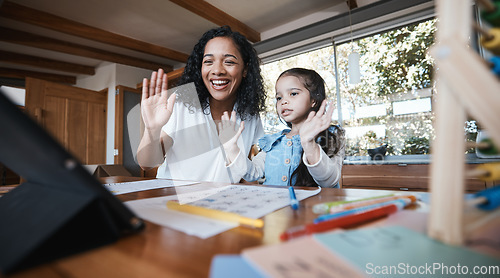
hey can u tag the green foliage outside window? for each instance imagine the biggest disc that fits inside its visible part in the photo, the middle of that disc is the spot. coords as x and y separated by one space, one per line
395 66
416 145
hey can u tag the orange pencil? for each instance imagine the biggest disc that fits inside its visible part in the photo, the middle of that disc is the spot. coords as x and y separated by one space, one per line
340 222
359 204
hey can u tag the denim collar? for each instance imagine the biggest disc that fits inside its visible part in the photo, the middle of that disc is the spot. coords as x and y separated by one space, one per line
268 141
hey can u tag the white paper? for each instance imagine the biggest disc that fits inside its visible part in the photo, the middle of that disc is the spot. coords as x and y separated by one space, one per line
128 187
248 201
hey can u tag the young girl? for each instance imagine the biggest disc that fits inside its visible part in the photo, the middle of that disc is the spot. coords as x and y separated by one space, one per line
223 70
294 156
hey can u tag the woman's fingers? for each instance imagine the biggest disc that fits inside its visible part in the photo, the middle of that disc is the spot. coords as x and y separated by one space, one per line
224 119
171 102
228 120
240 130
152 83
145 93
159 79
157 84
164 86
233 116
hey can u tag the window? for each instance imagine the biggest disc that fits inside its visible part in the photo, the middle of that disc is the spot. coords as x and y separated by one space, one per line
393 102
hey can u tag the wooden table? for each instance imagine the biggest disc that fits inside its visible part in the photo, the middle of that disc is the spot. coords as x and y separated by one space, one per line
163 252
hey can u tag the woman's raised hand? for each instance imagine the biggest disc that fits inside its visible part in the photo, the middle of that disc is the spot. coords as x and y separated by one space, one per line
229 132
156 106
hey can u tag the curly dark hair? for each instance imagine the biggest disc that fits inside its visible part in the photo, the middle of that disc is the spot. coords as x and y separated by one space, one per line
250 95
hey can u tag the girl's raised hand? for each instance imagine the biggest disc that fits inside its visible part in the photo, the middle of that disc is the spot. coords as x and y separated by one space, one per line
229 132
156 106
315 123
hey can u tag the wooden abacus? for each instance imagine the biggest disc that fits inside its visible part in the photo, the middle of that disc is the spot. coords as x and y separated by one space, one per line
464 86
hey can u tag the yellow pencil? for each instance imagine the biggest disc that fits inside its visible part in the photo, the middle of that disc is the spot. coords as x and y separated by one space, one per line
216 214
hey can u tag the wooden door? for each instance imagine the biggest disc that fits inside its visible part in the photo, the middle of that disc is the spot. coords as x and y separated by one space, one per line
76 117
128 128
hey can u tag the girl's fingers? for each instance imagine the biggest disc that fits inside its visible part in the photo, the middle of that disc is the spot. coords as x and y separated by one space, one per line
321 110
329 113
310 116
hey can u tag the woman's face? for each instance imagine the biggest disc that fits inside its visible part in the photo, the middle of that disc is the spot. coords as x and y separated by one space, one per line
222 68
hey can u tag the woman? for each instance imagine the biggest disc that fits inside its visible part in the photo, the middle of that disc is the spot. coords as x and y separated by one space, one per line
223 70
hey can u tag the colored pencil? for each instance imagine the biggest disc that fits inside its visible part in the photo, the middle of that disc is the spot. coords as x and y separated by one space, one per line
215 214
341 222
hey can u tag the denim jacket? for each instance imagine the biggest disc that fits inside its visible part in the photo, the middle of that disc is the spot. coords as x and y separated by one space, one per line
283 156
278 159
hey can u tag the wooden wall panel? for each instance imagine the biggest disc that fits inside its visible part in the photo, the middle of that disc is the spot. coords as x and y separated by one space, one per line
96 152
54 118
396 176
76 117
77 129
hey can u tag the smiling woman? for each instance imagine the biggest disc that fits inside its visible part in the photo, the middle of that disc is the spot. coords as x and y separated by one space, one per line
222 71
222 74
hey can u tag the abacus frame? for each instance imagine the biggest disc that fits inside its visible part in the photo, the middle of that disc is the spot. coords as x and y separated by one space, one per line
464 86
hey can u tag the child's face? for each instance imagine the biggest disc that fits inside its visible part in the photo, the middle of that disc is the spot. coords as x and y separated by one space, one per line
293 100
222 68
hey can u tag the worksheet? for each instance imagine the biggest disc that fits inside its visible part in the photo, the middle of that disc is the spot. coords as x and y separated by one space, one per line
134 186
247 201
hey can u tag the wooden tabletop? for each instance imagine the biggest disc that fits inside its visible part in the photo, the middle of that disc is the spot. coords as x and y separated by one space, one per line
163 252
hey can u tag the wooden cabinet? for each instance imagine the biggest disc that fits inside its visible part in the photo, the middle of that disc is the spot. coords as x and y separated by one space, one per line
75 117
413 177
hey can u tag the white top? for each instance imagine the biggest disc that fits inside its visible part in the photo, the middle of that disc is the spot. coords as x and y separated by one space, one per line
196 153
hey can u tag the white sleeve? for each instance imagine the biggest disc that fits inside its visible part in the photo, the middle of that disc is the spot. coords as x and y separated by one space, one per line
250 170
259 130
327 171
